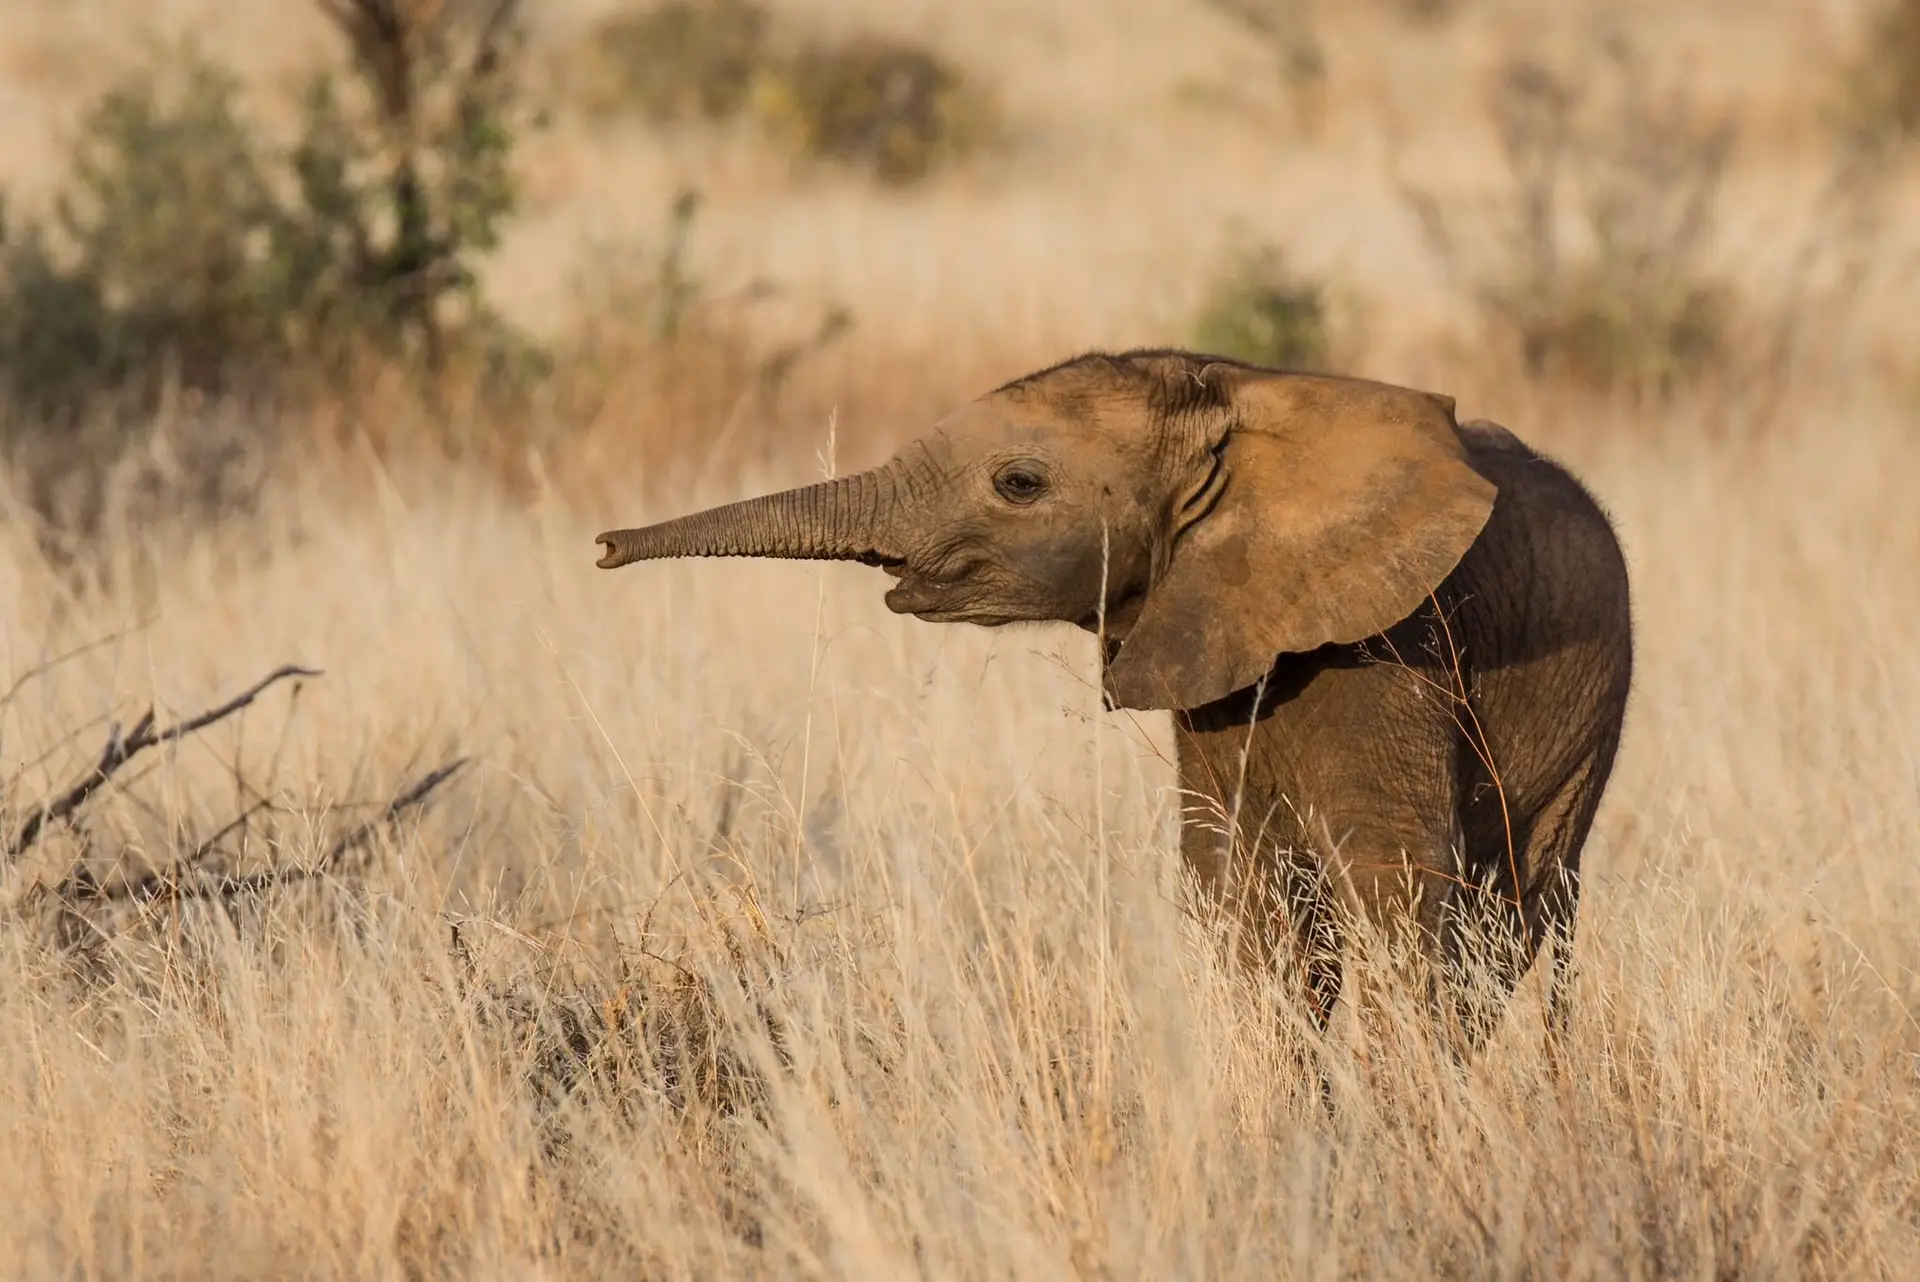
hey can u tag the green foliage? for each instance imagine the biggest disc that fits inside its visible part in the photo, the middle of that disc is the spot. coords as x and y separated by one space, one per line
1261 312
1601 328
687 59
188 252
158 260
894 110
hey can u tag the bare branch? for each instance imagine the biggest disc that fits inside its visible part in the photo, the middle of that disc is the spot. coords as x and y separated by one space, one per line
239 821
412 797
382 41
169 883
120 750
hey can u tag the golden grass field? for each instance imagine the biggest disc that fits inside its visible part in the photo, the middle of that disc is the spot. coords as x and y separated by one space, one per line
765 933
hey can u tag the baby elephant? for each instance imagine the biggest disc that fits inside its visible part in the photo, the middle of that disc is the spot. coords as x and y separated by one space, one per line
1397 647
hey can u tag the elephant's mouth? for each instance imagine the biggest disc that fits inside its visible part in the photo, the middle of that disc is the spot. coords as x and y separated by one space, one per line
954 596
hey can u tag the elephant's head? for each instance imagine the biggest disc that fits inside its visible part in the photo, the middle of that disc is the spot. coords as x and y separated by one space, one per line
1206 514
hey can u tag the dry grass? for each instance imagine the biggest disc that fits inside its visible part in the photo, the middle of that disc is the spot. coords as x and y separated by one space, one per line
948 875
769 934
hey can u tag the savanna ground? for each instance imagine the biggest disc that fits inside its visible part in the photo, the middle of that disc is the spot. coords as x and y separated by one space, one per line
760 932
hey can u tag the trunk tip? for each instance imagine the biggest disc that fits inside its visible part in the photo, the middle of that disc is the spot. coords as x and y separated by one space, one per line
616 555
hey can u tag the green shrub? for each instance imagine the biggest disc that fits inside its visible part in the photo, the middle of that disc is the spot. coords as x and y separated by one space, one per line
187 252
404 179
157 262
894 110
658 349
1261 312
687 59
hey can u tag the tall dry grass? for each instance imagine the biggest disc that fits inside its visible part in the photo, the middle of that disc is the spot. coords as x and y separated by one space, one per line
770 934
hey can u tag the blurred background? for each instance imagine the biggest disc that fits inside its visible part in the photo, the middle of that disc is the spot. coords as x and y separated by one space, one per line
668 240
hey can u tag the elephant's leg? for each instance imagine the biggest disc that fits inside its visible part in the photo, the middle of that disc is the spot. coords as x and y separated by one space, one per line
1551 904
1341 776
1301 939
1560 904
1400 898
1380 868
1497 930
1313 936
1482 954
1271 906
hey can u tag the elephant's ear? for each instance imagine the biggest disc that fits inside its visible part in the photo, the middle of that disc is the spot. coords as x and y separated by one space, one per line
1344 504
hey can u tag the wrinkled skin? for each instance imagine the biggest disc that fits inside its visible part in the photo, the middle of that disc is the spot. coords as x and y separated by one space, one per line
1397 648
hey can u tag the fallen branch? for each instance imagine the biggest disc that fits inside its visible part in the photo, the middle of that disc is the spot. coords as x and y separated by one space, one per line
412 797
170 883
119 751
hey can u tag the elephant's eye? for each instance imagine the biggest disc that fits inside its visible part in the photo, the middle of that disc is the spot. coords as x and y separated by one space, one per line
1019 485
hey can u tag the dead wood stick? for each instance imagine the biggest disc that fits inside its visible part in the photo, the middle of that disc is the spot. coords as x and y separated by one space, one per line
398 806
122 749
167 882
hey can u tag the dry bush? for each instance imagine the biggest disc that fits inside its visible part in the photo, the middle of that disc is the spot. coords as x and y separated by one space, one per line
1429 10
1286 26
893 109
1599 266
1286 29
1880 86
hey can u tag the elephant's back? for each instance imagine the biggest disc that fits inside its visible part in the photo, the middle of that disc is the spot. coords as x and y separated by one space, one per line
1549 557
1543 600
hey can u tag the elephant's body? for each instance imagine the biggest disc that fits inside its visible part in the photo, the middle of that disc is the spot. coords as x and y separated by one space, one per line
1445 772
1396 647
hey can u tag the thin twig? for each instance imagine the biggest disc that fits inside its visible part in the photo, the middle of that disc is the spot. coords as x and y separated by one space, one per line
153 885
168 882
42 669
120 750
398 806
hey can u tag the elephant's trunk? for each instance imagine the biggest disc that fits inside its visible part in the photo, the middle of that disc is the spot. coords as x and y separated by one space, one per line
847 519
